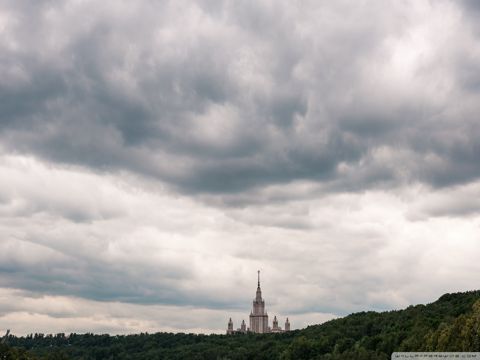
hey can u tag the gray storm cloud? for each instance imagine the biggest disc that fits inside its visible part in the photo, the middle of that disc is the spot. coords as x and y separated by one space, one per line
224 97
146 145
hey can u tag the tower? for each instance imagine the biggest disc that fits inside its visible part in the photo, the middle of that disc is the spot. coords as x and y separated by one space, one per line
243 327
258 316
230 327
287 325
275 324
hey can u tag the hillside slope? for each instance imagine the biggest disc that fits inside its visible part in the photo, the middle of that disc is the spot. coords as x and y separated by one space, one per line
452 323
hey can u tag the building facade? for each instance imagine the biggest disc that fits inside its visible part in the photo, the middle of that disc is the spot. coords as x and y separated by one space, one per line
258 318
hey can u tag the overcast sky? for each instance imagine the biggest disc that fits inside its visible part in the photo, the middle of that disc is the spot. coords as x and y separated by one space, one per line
155 154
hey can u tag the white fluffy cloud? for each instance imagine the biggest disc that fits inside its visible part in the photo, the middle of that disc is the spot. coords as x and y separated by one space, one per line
168 260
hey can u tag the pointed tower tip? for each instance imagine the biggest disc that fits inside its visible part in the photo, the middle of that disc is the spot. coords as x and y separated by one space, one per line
258 271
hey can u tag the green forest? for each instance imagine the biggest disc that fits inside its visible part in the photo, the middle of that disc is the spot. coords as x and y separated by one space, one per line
452 323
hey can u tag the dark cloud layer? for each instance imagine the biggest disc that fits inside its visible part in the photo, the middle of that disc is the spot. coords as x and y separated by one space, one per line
229 97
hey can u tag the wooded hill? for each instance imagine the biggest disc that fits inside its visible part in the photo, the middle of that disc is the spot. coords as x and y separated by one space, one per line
452 323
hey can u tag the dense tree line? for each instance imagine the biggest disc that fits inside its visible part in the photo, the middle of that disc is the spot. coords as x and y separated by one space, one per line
452 323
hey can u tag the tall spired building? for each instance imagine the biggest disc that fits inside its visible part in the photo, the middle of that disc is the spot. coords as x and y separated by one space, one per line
258 317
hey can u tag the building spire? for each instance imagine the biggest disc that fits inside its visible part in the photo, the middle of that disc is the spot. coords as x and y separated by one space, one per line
258 271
